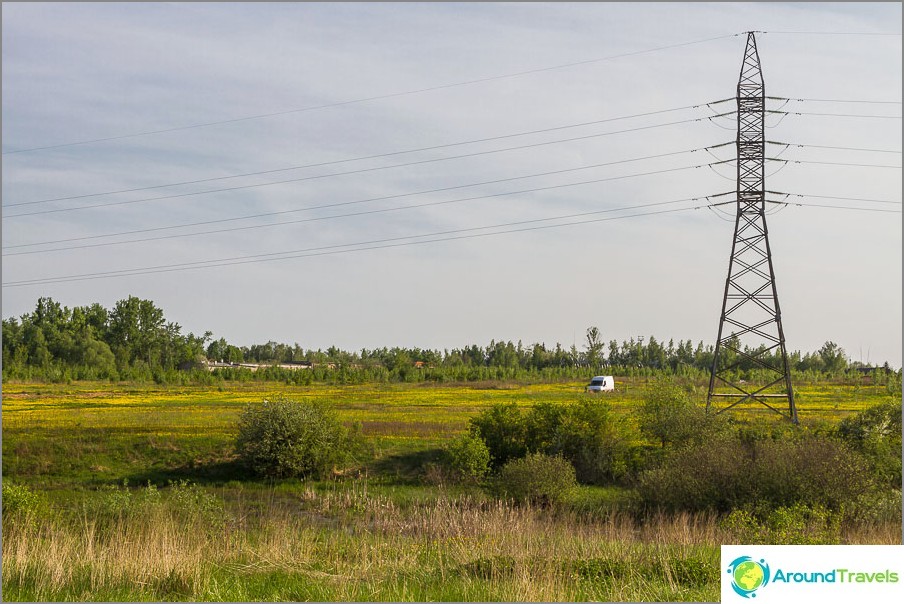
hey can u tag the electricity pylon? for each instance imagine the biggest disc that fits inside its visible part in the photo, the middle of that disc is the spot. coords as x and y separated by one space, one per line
750 310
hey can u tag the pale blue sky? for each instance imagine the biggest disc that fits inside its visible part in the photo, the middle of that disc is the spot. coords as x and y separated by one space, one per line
75 71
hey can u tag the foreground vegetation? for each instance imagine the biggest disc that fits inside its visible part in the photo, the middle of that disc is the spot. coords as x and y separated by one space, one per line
138 492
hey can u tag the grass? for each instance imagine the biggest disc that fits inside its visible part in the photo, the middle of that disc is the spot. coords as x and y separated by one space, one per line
376 533
441 548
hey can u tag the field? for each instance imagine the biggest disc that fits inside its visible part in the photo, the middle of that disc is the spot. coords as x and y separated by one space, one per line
139 498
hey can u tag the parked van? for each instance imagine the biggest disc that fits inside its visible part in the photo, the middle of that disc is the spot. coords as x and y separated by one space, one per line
601 383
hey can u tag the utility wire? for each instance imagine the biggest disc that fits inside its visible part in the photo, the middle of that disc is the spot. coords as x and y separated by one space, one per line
831 163
359 171
372 98
488 196
374 244
787 99
817 205
830 33
835 197
371 245
886 117
831 147
366 157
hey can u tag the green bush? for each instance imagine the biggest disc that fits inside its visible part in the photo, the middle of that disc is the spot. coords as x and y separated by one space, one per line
469 458
283 438
19 500
669 417
876 432
876 507
584 432
502 428
594 440
537 478
798 524
726 474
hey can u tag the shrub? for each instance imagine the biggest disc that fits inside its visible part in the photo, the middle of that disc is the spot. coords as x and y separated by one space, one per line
876 432
537 478
469 458
876 507
19 500
594 440
798 524
284 438
726 474
502 428
585 433
670 417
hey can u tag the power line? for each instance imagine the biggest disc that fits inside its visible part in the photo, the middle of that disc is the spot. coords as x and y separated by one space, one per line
379 244
371 98
787 99
835 197
359 171
831 33
366 157
831 163
831 147
374 244
887 117
488 196
817 205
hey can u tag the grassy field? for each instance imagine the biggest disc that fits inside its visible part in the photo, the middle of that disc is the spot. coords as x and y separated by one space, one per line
189 525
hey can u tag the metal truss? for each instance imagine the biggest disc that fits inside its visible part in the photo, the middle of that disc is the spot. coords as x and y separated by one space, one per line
750 309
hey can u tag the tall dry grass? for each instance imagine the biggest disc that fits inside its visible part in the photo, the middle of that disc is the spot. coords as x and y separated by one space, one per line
352 545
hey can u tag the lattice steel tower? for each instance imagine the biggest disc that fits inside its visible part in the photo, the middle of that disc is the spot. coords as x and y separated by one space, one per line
750 310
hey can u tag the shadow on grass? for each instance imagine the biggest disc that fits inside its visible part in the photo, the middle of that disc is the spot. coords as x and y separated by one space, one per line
215 472
406 468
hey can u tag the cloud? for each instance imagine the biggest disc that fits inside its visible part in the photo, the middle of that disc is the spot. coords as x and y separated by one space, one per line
84 71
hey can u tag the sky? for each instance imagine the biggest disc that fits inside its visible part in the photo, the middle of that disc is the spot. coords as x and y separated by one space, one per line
386 235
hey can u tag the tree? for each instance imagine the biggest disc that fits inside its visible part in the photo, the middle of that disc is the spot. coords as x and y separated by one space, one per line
594 348
833 357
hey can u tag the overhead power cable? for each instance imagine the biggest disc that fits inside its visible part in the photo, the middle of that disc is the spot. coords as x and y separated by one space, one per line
177 235
373 244
818 205
831 33
366 157
371 98
831 163
348 172
804 146
835 197
870 102
881 117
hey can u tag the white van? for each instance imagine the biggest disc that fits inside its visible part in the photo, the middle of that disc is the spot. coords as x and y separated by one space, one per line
601 383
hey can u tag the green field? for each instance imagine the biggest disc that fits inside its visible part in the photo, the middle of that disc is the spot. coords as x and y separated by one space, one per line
138 497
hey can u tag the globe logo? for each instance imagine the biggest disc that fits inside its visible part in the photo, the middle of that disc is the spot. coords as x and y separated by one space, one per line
748 575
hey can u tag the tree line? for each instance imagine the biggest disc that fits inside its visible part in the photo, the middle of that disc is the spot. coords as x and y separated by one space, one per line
134 341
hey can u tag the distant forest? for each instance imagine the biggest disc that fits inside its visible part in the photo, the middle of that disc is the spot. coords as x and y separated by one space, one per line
134 341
